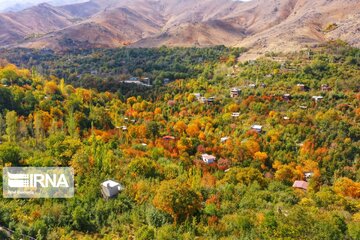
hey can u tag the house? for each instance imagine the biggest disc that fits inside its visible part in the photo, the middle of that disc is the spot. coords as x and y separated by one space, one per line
263 85
317 98
203 100
257 128
235 114
252 85
286 118
302 87
308 175
301 185
208 158
147 81
287 96
166 81
133 79
124 128
171 103
168 138
224 139
207 100
303 107
211 99
110 189
234 92
325 87
197 95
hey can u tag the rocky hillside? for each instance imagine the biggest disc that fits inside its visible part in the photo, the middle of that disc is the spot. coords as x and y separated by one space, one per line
260 25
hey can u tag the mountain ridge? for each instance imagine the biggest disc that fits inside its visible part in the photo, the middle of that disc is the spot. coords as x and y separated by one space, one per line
260 25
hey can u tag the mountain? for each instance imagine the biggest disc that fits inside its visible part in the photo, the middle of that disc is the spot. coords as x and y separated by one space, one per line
261 25
18 5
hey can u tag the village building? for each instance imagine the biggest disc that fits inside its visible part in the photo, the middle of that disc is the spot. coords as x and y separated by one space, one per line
235 114
208 158
203 100
257 128
211 99
302 87
234 92
133 79
325 87
168 138
308 175
166 81
317 98
301 185
110 189
287 96
197 95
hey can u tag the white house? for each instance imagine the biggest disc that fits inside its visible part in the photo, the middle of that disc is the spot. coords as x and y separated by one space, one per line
197 95
308 175
257 128
317 98
110 189
166 80
224 139
235 114
208 158
287 96
234 92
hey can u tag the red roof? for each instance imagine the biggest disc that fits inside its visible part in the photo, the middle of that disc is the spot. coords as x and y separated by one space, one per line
301 184
168 137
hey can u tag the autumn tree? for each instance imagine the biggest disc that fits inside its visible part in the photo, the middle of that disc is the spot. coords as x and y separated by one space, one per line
177 199
347 187
143 167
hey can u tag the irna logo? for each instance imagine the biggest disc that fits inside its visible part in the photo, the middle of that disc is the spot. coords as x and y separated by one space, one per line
37 180
22 182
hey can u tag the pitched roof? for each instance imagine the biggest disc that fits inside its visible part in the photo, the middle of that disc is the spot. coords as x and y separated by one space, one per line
301 184
207 156
110 183
168 137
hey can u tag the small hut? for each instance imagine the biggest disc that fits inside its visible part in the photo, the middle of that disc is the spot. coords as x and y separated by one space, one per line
110 189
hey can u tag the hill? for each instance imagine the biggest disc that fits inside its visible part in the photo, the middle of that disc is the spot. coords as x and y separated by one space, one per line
262 25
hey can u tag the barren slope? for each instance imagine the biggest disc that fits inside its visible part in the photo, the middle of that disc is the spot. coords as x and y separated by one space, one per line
261 25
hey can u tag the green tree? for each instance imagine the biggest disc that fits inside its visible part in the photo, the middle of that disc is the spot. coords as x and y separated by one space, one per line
10 153
11 125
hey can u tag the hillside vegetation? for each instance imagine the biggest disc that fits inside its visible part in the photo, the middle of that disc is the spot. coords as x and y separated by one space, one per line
170 193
